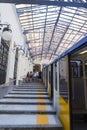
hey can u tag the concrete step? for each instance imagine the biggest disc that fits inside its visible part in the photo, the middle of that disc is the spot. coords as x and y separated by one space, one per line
17 88
30 90
26 96
29 121
28 107
34 127
23 100
27 103
33 93
18 107
26 112
31 84
29 87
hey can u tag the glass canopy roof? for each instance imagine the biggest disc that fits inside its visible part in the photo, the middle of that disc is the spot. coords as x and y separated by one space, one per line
50 30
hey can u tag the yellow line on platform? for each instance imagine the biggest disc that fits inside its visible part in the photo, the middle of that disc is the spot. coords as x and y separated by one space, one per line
42 119
40 100
40 95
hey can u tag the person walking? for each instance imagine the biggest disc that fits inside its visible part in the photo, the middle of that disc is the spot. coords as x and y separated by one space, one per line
27 77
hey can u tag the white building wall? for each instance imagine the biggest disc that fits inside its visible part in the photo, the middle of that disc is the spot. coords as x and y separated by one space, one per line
9 15
24 66
30 67
21 67
10 66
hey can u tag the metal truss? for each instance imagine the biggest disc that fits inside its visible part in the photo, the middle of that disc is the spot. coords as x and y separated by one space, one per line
73 3
52 26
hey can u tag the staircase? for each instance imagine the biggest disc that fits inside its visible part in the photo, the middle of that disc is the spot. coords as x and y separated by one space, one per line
28 107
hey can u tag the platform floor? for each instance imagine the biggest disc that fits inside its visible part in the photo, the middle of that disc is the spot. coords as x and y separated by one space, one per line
28 106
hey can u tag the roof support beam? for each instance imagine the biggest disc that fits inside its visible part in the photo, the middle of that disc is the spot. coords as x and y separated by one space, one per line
63 3
35 28
54 29
37 17
39 25
38 22
44 30
63 34
41 54
59 42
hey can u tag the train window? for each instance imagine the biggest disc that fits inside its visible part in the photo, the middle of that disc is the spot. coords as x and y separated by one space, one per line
63 78
86 68
76 68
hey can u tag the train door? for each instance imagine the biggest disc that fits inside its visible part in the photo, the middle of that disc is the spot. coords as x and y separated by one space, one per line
78 79
64 98
4 49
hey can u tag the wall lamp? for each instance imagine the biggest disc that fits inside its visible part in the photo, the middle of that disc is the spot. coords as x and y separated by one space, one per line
19 47
5 32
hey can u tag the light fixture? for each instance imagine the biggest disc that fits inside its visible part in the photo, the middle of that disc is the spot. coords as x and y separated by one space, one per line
5 32
20 49
86 63
83 52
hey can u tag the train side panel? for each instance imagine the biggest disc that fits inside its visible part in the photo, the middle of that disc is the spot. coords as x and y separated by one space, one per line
64 113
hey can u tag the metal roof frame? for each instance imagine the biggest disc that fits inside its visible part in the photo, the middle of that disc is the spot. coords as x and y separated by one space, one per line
64 3
51 26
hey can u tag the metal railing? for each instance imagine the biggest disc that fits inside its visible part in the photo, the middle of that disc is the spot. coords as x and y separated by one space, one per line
8 83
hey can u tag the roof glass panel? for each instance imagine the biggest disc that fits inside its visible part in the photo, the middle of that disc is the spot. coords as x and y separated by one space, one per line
50 30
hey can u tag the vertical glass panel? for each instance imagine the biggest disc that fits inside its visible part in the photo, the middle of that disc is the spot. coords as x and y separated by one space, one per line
76 68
